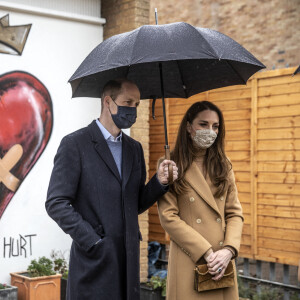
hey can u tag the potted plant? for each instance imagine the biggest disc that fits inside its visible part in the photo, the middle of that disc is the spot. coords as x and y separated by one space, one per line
61 267
8 292
40 282
155 289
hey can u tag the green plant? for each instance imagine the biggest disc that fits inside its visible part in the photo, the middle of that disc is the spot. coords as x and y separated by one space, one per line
268 293
294 296
65 275
157 282
60 263
3 286
244 291
42 267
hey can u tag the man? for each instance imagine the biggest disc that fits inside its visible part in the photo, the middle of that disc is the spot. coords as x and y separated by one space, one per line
96 191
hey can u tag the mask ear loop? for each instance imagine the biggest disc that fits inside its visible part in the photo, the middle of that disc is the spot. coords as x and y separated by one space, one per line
115 104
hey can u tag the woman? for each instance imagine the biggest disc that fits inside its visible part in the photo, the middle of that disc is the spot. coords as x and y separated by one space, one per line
201 212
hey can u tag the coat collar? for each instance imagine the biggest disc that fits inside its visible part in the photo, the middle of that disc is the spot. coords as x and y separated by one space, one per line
127 158
105 153
197 181
102 149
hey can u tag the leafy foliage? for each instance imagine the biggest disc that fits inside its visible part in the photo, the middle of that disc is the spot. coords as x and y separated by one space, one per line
3 286
42 267
60 263
65 275
157 282
268 293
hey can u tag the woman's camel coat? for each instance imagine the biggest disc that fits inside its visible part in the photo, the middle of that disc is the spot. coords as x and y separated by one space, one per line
196 221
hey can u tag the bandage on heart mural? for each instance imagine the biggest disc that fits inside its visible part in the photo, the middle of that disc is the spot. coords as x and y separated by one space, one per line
26 120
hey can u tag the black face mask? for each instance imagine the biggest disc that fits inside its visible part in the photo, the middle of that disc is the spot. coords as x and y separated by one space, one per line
125 116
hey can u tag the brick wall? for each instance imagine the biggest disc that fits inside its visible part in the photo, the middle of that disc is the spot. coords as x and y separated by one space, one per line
140 132
270 30
122 16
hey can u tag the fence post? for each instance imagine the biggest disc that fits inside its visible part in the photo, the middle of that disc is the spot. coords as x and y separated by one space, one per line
286 280
272 271
258 275
246 271
253 159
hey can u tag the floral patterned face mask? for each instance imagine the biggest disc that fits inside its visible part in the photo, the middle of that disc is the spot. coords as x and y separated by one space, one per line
204 138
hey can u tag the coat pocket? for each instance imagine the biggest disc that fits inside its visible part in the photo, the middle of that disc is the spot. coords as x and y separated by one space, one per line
100 230
96 250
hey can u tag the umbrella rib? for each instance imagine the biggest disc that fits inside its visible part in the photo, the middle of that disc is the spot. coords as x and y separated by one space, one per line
77 86
183 84
234 70
136 38
207 42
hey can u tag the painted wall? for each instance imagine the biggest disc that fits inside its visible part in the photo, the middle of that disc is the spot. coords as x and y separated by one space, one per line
54 49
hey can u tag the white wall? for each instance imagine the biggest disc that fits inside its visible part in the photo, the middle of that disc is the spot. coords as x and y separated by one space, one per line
91 8
54 49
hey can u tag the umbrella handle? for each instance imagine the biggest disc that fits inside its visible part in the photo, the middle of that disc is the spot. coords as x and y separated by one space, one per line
170 167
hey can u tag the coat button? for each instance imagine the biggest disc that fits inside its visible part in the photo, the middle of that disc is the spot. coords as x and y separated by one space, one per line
192 199
198 221
221 243
218 220
222 198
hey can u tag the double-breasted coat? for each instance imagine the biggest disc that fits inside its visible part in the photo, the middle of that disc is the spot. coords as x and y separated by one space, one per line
197 221
89 201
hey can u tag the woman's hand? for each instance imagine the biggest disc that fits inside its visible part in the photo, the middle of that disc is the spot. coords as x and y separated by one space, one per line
217 262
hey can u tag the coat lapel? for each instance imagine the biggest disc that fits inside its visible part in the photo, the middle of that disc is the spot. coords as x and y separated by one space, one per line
127 158
103 150
200 185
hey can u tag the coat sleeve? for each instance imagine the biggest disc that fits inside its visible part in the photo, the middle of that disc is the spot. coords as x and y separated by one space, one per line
233 216
62 194
186 237
149 193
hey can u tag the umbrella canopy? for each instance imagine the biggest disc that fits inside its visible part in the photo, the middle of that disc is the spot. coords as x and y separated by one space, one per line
174 60
192 59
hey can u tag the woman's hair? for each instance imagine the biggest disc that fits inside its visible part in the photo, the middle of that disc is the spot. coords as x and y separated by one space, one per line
216 164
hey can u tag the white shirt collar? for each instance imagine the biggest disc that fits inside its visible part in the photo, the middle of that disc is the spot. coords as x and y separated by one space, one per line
107 135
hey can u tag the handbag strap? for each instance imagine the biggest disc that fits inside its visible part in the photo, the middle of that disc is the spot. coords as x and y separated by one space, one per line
207 272
200 272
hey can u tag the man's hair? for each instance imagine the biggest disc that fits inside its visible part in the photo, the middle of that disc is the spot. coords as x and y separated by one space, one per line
113 88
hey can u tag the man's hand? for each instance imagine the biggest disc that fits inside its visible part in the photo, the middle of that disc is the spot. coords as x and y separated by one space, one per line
163 171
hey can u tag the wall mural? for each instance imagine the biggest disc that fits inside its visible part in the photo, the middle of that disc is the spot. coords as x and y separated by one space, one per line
26 120
12 38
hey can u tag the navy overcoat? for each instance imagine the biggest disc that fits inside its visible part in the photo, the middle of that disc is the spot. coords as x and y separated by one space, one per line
89 201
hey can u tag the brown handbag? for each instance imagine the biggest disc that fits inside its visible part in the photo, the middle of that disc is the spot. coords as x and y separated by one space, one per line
204 282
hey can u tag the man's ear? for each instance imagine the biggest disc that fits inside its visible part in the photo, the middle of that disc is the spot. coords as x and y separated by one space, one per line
106 101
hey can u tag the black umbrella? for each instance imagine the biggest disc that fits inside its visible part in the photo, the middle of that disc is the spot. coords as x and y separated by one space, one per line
174 60
297 71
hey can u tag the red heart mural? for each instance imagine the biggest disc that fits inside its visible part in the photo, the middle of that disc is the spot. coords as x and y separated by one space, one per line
26 120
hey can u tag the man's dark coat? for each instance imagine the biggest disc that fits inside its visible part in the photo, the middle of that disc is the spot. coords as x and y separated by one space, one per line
89 201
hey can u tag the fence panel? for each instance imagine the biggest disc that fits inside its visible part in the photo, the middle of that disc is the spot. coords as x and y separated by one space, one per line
262 122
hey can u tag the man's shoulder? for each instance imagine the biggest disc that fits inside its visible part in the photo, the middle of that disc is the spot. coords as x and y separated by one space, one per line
78 133
131 140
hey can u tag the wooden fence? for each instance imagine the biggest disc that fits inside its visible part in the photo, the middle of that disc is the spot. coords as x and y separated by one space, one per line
262 122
